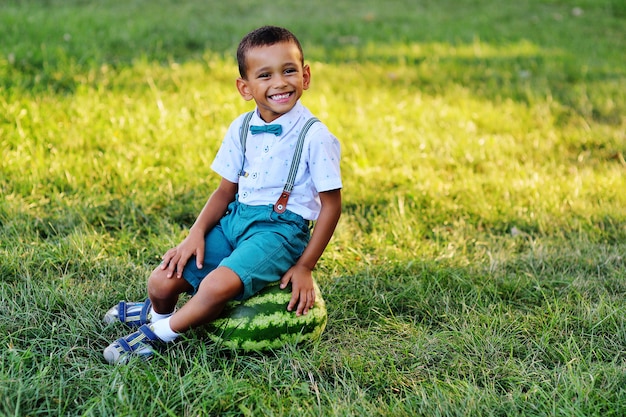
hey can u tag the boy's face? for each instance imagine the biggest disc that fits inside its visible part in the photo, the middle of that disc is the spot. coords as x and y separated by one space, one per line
275 79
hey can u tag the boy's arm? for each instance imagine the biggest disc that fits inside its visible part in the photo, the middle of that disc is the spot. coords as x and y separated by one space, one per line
175 259
300 275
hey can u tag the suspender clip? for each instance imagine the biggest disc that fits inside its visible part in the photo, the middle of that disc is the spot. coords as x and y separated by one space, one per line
281 203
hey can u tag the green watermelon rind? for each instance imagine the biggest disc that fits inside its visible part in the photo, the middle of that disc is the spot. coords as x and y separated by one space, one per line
248 326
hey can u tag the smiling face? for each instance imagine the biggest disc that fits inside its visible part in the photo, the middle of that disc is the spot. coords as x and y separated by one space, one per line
275 78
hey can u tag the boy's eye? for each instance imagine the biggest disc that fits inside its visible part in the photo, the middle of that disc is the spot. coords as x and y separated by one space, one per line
290 71
264 75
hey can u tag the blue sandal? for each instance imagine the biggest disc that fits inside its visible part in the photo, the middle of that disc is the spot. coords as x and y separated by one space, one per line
132 314
139 344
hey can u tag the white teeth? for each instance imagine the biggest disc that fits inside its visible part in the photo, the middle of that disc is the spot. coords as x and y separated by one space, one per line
280 96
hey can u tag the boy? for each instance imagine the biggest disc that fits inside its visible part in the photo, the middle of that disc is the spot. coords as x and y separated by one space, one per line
254 228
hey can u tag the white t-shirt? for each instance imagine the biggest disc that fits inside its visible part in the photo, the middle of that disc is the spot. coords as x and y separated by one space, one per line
268 160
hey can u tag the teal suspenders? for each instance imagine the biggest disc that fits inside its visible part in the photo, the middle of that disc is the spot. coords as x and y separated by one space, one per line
243 134
281 204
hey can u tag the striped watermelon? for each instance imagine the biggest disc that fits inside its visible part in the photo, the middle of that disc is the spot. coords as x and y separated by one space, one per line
262 322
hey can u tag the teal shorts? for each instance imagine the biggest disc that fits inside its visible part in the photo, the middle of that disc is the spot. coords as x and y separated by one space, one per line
255 242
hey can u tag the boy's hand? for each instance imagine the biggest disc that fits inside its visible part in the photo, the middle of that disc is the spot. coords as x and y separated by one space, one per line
302 289
176 258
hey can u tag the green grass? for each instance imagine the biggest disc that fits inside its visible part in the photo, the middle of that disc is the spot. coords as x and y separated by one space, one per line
478 268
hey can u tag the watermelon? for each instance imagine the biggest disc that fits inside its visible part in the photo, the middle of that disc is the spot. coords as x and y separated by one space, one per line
262 322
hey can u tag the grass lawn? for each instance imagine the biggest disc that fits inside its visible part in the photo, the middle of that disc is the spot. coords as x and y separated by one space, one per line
479 265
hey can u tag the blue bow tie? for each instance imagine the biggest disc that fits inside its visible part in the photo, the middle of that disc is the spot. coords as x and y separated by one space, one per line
275 129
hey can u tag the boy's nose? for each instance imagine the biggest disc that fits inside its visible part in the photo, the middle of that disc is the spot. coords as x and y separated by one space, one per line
280 81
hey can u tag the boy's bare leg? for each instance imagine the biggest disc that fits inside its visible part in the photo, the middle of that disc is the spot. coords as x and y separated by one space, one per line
217 289
164 291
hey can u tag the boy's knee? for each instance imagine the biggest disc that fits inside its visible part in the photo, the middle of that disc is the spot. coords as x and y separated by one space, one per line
221 285
155 283
162 287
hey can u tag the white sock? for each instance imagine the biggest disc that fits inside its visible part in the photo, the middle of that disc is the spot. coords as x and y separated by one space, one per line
154 316
163 330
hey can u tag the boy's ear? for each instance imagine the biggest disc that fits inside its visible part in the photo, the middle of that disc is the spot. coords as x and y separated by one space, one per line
306 77
244 90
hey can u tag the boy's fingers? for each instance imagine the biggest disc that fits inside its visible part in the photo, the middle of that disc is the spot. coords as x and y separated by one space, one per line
170 265
199 258
283 284
304 305
292 301
167 257
180 265
304 301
